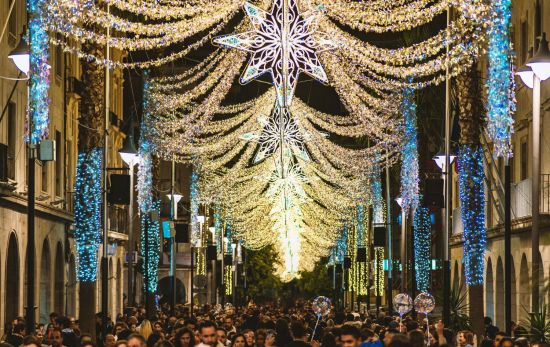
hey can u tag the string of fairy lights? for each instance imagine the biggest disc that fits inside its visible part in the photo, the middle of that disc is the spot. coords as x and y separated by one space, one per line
305 180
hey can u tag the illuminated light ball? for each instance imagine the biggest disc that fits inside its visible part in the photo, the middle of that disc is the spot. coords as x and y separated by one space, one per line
424 303
402 303
321 306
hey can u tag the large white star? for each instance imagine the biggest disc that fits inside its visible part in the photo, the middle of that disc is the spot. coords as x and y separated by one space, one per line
269 40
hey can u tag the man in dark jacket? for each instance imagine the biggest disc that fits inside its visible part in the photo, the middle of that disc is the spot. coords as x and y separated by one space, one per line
69 337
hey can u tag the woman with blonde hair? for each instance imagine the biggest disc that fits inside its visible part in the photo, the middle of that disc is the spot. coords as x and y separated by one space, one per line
145 329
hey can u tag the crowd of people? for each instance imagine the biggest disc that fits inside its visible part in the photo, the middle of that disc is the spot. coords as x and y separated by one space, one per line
255 326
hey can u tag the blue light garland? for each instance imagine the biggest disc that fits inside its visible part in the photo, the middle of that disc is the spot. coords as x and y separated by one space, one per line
422 244
378 203
218 227
194 206
39 84
409 164
500 79
472 199
87 213
150 234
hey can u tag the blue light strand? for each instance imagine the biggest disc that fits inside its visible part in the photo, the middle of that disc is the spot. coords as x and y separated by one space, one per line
194 206
378 203
422 244
500 79
472 199
409 165
87 213
39 71
150 234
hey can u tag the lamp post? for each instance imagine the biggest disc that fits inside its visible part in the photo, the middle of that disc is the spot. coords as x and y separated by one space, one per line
21 58
129 155
444 161
403 246
537 69
174 212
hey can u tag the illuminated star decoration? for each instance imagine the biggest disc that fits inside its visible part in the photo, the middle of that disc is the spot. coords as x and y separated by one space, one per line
270 136
266 41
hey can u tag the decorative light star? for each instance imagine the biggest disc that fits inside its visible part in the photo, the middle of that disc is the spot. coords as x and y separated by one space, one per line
282 48
270 137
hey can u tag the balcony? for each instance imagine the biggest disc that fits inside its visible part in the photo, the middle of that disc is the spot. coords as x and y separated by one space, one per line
520 204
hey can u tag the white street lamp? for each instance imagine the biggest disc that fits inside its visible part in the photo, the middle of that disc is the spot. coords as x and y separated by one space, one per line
403 245
439 159
540 65
21 56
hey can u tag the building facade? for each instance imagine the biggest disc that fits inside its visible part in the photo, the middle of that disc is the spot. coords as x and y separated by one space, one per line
56 283
529 20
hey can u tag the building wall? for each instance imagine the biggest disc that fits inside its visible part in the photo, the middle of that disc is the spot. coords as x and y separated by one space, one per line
524 31
55 269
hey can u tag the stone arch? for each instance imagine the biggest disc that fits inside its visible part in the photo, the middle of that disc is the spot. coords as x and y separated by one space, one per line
13 271
44 300
499 295
59 280
524 290
71 287
489 290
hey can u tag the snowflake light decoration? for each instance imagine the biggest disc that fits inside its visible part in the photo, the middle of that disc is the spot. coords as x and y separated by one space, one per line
284 48
270 137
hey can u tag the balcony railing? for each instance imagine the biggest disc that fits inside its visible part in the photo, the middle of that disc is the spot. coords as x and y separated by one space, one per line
520 202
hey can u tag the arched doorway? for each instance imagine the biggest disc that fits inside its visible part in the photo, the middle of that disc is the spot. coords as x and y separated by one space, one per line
12 277
489 290
45 284
514 291
524 288
499 296
59 282
71 287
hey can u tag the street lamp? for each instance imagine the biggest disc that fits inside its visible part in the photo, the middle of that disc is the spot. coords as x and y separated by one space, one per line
21 58
129 155
540 66
403 246
444 160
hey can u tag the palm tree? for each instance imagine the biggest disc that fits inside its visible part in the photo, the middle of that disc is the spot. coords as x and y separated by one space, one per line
471 179
90 141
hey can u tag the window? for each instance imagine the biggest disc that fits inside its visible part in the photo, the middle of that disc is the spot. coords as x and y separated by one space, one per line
12 23
58 164
12 136
524 158
59 58
44 176
524 41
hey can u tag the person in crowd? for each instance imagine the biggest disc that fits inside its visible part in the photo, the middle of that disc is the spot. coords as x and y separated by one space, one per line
228 325
145 329
299 334
109 340
121 343
17 335
490 330
57 338
465 338
69 337
222 336
184 338
239 340
249 337
208 335
260 338
136 340
350 336
369 339
498 337
283 335
388 336
28 341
